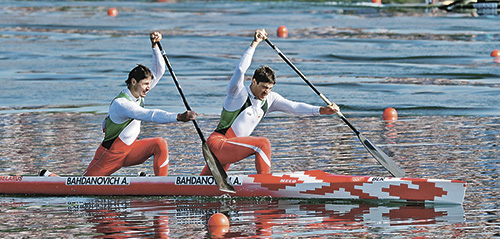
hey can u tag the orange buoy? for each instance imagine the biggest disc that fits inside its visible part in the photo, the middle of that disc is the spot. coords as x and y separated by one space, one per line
218 224
218 219
219 231
377 1
282 31
390 114
495 53
112 12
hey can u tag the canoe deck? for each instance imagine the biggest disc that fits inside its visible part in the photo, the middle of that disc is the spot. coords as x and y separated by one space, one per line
314 184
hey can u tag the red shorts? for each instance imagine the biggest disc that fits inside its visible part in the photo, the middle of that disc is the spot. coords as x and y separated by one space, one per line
233 149
108 161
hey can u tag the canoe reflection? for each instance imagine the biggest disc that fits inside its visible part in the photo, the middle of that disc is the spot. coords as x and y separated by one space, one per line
166 217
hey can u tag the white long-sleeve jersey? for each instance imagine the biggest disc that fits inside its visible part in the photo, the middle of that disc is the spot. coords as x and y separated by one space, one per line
244 120
126 107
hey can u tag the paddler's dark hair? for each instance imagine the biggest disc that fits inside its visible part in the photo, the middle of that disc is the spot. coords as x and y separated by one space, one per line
264 74
138 73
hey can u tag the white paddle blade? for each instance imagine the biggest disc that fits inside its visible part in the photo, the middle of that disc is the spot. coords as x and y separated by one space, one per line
382 158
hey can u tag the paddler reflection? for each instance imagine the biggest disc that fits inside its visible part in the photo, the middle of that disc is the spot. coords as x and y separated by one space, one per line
188 218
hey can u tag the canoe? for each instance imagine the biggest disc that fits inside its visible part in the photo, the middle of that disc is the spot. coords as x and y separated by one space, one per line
314 184
491 5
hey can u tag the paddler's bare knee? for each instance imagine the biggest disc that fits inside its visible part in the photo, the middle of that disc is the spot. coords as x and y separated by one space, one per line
161 143
264 143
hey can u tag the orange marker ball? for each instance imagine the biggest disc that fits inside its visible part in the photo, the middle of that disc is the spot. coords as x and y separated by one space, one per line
219 231
377 1
218 219
282 31
112 12
218 224
495 53
390 114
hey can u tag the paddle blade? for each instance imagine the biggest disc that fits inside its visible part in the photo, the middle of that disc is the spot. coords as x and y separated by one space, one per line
382 158
220 174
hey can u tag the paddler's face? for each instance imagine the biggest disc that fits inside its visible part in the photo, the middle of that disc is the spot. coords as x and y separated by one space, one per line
141 88
261 89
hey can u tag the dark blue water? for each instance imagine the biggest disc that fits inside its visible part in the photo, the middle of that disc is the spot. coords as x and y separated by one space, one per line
63 61
69 55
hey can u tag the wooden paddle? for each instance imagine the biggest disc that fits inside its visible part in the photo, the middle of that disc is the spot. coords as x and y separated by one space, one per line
379 155
212 162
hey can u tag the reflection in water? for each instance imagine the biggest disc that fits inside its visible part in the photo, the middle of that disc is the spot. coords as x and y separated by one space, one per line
64 57
462 148
187 218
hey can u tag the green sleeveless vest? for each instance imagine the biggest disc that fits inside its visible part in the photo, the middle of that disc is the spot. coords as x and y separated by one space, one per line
113 129
228 117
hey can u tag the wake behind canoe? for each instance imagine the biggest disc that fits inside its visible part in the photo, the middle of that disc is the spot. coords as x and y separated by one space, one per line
314 184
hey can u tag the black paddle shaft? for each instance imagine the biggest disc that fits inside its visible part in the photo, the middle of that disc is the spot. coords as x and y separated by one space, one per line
327 101
212 162
378 154
169 66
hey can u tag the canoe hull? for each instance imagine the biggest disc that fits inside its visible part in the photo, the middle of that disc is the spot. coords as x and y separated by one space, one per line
314 184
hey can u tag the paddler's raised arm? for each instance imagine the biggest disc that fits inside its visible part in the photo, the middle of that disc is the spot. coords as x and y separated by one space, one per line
236 83
155 37
158 64
259 36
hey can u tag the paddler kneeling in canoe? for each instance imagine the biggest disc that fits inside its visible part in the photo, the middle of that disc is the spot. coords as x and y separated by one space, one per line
245 106
120 147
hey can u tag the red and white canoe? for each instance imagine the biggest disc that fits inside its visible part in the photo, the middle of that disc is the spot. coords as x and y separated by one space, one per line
314 184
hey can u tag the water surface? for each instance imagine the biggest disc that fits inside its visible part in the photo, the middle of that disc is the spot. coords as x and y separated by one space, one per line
63 61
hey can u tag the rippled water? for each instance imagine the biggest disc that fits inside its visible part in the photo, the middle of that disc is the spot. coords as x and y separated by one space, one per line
451 147
63 61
